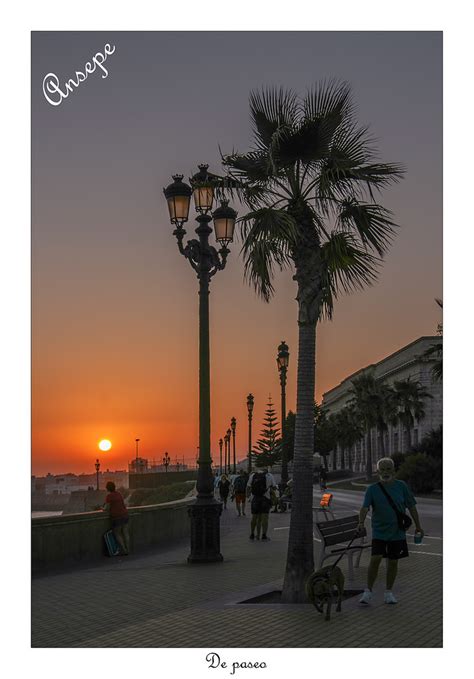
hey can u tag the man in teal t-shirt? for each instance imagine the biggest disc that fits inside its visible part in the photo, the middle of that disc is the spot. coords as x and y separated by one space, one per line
388 540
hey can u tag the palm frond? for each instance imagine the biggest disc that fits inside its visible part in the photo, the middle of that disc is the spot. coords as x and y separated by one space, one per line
271 110
309 142
346 267
252 167
328 97
267 224
260 260
352 165
373 223
268 236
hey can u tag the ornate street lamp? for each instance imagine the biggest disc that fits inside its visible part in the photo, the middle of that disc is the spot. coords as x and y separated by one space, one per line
226 453
228 434
250 411
233 424
97 467
220 455
166 461
206 261
283 359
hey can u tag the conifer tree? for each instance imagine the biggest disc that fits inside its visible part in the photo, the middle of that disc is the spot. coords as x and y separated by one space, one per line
267 450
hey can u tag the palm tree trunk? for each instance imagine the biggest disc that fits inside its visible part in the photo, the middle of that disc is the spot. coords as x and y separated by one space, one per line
334 457
300 561
349 458
382 443
368 460
343 457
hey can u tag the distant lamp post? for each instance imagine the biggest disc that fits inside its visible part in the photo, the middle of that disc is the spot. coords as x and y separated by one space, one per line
166 461
225 453
250 411
97 467
206 261
177 466
233 424
136 454
220 455
229 434
283 359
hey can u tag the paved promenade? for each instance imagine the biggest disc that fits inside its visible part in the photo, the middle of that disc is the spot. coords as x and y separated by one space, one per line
158 600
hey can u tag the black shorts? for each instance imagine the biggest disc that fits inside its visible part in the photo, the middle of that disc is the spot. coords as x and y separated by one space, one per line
390 549
260 505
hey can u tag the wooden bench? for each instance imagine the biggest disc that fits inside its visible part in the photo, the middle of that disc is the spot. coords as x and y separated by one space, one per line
341 532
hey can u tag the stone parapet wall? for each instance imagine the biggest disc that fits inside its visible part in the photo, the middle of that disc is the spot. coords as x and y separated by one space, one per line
157 479
67 541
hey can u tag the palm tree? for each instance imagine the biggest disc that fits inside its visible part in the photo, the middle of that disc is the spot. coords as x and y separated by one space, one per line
348 432
411 397
365 400
385 407
333 425
308 183
324 440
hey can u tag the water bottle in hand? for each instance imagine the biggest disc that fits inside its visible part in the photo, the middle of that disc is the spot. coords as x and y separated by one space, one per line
418 537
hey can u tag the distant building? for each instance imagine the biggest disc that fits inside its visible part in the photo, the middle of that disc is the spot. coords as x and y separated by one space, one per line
138 465
65 484
407 362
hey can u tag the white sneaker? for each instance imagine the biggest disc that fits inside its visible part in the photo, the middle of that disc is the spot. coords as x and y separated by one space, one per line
389 598
366 598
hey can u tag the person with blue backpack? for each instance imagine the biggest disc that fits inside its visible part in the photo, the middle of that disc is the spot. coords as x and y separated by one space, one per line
259 486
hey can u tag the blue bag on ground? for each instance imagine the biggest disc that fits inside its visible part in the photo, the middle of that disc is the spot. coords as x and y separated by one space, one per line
111 543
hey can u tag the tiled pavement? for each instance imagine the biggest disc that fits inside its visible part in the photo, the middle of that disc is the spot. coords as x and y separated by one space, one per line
158 600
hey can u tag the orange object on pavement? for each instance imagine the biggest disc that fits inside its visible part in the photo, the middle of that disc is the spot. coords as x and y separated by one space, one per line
326 500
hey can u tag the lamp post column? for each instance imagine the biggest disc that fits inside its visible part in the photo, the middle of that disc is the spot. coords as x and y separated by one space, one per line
233 424
206 261
220 456
282 363
97 467
250 400
229 433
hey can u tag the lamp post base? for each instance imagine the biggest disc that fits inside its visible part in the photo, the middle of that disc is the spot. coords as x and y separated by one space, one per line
205 533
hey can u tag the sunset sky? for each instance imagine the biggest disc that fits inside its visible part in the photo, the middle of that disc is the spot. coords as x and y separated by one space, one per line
115 306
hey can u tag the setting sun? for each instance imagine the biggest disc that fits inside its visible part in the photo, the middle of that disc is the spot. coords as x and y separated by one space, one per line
105 444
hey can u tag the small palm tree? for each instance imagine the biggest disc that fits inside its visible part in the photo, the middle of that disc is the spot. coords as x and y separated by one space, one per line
410 397
309 184
365 400
385 406
348 432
